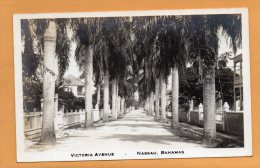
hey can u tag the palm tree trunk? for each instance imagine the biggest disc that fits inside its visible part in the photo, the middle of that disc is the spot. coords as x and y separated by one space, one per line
48 132
122 106
157 103
98 96
163 100
209 106
106 96
117 100
175 97
118 106
88 85
147 104
151 104
114 100
98 100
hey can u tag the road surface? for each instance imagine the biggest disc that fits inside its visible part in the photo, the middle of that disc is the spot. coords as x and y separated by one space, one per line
135 131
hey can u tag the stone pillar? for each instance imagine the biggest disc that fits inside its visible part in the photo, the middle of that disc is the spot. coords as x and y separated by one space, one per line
190 109
34 119
226 106
58 115
200 111
221 104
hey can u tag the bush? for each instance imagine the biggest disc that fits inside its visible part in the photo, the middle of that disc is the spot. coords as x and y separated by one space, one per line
69 101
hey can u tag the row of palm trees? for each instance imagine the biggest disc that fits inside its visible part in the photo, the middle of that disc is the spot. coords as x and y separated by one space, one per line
135 52
102 45
174 42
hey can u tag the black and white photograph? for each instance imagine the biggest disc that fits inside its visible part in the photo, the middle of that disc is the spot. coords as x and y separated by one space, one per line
132 85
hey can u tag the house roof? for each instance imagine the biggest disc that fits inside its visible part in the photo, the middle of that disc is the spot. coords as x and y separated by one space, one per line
71 80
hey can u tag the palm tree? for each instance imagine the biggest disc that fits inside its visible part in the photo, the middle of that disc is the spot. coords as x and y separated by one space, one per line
106 95
173 43
87 53
88 69
157 103
48 132
114 99
163 100
89 35
91 39
46 40
117 36
144 41
151 112
204 48
101 64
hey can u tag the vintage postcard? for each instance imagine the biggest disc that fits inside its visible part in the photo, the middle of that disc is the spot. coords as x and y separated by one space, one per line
132 85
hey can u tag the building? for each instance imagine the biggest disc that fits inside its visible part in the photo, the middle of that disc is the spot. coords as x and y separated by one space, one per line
74 85
238 83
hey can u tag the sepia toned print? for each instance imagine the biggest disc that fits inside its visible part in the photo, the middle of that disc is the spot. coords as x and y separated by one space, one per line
132 85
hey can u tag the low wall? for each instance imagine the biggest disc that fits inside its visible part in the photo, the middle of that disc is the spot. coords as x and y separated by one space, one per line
227 122
184 116
195 118
234 123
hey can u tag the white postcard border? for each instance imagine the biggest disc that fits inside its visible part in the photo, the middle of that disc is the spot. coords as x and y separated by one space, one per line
23 156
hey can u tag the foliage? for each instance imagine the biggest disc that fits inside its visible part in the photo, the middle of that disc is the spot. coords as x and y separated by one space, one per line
191 86
225 85
132 102
203 40
69 101
110 39
160 44
32 57
137 50
32 94
33 37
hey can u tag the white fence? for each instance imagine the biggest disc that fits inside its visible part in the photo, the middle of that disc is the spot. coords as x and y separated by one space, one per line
33 121
32 124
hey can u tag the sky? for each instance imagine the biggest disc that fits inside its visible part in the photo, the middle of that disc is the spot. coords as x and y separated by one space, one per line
73 67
